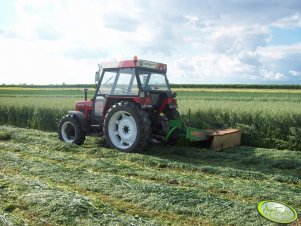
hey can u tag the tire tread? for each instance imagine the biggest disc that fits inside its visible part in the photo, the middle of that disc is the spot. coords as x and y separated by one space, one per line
80 139
143 121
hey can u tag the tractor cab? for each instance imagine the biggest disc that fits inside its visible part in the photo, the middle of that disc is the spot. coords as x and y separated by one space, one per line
141 82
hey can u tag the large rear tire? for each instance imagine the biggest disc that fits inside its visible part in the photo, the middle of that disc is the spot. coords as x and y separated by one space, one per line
127 128
70 131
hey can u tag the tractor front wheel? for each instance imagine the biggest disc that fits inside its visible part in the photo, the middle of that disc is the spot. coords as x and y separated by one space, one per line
70 131
127 128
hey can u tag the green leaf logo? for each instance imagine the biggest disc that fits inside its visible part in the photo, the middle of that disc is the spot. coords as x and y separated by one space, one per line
277 212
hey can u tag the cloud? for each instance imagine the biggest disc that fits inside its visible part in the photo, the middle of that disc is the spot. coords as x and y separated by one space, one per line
120 22
84 52
8 34
213 68
269 75
232 40
291 21
208 41
48 31
285 57
295 73
250 58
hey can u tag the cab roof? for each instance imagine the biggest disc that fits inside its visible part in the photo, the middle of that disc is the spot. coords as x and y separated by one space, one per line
135 63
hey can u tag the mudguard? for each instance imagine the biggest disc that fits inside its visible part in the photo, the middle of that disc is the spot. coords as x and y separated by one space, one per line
80 117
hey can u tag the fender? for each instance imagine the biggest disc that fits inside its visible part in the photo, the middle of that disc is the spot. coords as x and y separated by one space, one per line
80 117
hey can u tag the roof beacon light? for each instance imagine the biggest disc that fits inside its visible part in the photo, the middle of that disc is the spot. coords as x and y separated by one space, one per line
135 60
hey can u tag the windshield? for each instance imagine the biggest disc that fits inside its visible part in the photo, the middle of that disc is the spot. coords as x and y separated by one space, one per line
119 82
153 81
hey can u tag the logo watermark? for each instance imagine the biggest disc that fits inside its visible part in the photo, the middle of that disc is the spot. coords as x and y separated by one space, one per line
277 212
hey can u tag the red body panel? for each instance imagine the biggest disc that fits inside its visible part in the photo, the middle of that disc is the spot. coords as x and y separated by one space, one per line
135 63
127 63
110 100
172 102
84 107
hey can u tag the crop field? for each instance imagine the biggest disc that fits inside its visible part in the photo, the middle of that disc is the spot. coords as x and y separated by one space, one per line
46 182
269 118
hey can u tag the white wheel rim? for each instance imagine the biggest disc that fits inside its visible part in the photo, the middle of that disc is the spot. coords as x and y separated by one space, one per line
68 132
122 130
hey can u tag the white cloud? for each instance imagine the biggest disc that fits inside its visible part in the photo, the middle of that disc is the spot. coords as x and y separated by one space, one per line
213 68
291 21
281 62
269 75
295 73
27 62
234 39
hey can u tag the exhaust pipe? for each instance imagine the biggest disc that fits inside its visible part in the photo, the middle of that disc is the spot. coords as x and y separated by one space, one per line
86 93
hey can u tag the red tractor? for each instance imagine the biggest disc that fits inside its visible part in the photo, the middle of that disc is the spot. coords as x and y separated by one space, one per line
132 105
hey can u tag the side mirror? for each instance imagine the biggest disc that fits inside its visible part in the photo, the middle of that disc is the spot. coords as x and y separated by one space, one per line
174 95
97 76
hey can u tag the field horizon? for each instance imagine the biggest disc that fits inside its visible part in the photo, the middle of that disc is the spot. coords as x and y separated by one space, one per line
173 85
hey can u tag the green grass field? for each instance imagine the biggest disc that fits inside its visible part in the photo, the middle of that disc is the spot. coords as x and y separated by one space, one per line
46 182
268 118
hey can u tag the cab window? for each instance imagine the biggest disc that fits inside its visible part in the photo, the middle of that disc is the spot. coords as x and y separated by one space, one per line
119 82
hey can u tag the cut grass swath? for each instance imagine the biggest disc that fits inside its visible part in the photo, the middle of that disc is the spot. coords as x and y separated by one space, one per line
58 183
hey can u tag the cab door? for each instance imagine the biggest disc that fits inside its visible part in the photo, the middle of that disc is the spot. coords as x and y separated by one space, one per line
107 80
117 84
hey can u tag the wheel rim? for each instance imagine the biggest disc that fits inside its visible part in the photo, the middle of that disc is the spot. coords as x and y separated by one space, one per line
68 132
122 130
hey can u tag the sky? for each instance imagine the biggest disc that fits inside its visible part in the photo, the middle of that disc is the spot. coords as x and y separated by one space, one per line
201 41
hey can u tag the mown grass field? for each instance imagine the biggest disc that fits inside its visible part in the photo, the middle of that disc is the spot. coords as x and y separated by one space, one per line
46 182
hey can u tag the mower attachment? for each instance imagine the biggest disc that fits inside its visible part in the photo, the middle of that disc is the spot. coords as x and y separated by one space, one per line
219 139
224 138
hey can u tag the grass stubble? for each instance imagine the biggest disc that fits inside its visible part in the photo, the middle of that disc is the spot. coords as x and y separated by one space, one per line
46 182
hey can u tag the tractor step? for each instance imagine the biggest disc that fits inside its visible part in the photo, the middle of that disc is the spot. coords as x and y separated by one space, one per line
224 138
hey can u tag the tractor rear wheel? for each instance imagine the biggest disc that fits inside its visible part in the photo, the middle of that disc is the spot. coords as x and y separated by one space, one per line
70 131
127 128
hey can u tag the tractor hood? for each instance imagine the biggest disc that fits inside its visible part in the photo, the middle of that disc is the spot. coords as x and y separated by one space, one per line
83 105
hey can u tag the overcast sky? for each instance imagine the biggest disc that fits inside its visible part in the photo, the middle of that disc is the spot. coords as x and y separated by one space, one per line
202 41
